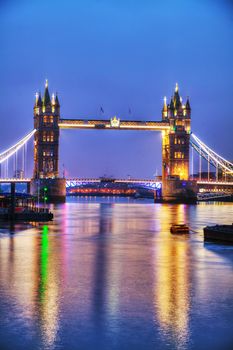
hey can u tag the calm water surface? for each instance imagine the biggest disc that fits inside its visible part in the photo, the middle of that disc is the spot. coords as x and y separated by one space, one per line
108 274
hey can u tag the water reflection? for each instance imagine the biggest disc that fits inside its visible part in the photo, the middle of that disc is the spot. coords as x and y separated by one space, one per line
110 275
172 278
48 289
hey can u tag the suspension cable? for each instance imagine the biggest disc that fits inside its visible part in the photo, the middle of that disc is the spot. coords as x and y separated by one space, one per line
13 149
212 157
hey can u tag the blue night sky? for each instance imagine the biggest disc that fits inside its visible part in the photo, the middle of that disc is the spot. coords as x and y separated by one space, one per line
118 54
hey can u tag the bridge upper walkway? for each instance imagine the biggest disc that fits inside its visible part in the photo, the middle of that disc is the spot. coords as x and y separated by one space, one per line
113 124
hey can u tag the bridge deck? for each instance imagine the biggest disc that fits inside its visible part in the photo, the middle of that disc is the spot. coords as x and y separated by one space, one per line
108 124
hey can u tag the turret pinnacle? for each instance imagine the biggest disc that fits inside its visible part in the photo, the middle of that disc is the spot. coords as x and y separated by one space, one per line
46 98
187 106
165 104
53 99
176 99
172 104
38 102
57 104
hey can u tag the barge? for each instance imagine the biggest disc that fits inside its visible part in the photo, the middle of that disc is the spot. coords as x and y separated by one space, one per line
220 233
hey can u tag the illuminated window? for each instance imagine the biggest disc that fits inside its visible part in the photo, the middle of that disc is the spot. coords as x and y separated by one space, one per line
179 155
179 122
48 136
48 119
179 141
48 153
51 136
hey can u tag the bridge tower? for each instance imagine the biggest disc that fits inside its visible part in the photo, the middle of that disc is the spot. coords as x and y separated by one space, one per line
175 148
46 146
46 139
176 140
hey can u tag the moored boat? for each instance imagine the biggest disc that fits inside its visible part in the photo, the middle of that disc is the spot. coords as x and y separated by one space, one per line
219 233
179 228
22 208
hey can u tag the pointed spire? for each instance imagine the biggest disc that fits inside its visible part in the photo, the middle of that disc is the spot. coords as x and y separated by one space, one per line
187 106
179 104
53 99
57 101
46 99
38 102
165 103
176 99
172 107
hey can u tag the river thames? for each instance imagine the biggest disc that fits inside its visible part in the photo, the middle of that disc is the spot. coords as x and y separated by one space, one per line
107 274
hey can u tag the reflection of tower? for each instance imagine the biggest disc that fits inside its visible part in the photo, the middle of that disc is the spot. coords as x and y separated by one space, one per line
100 274
176 141
48 290
172 277
46 118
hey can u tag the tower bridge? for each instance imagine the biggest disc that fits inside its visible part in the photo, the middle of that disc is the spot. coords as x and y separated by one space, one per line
174 124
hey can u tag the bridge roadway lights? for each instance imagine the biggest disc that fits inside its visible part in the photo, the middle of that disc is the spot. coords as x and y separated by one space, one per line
175 190
55 190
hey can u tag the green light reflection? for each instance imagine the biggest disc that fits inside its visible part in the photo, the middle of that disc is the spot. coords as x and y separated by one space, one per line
44 255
